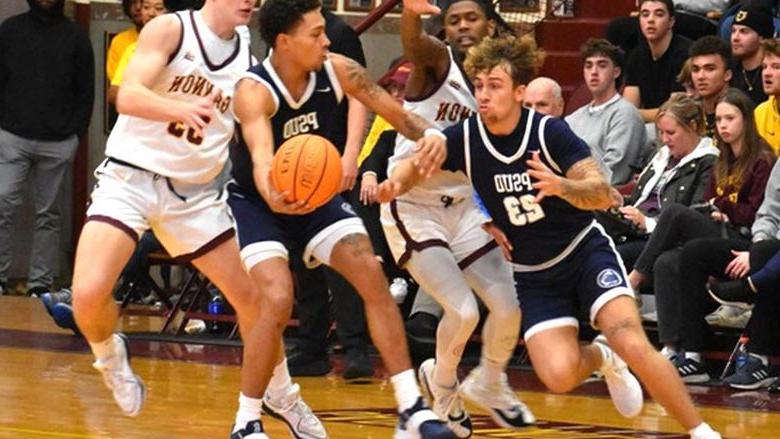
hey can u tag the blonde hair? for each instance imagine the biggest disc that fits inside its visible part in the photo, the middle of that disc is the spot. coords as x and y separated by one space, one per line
771 45
686 111
519 57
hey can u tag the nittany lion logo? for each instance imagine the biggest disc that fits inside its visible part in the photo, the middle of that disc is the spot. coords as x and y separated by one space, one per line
609 278
346 207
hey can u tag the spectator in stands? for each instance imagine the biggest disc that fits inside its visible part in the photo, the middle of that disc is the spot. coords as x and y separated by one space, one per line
724 259
768 113
677 174
47 83
610 125
545 96
691 21
734 194
309 357
770 7
149 10
654 63
751 26
122 40
710 58
685 79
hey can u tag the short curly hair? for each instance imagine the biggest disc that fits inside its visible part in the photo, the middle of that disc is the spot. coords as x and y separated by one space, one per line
519 57
280 16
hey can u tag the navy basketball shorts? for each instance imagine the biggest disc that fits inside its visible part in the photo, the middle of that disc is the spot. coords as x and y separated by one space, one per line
584 281
263 234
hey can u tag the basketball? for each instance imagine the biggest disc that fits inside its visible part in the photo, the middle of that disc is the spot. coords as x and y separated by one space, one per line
309 167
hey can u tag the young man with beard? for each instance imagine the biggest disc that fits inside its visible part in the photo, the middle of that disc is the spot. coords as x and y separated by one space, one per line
751 26
768 112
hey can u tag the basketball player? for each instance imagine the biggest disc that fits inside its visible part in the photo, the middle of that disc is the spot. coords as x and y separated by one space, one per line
434 229
164 154
291 92
539 184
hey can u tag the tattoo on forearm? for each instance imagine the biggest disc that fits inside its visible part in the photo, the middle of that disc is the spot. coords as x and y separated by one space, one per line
414 126
359 77
585 186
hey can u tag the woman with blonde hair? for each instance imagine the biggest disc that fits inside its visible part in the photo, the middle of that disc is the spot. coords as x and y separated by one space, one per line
731 200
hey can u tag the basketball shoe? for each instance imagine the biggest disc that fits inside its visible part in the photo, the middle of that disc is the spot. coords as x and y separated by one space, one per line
419 422
129 391
446 403
293 411
498 399
252 430
624 388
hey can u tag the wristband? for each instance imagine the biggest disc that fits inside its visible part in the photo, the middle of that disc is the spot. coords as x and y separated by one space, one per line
434 132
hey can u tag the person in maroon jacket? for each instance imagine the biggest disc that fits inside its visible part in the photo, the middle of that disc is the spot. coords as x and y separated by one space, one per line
734 194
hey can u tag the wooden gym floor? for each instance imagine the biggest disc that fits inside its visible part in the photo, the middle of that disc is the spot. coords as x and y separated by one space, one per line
48 389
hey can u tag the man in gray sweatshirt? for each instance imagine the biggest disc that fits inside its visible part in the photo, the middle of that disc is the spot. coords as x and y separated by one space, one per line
609 124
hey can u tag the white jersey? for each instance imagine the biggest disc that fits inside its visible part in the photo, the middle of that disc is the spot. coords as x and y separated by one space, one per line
203 64
449 103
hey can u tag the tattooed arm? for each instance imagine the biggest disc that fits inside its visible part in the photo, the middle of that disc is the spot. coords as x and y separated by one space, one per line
584 185
355 82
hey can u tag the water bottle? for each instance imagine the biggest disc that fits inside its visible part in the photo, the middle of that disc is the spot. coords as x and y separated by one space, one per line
742 353
398 289
216 307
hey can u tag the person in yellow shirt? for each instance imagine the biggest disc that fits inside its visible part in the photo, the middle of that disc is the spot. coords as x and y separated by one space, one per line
125 38
149 10
768 113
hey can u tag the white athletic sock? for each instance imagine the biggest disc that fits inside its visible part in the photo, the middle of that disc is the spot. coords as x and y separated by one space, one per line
406 390
703 431
104 349
445 374
695 356
491 370
605 354
280 381
248 411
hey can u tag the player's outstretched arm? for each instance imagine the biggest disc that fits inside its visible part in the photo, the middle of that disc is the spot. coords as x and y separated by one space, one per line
354 80
584 185
253 105
424 50
157 42
403 178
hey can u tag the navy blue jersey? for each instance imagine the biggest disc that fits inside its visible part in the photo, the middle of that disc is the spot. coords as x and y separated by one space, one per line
542 234
313 113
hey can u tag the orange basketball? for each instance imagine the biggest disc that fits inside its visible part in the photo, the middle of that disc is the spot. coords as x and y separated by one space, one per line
308 166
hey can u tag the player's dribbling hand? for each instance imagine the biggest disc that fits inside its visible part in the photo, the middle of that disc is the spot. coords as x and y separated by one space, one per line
547 182
387 191
278 201
421 7
500 238
430 154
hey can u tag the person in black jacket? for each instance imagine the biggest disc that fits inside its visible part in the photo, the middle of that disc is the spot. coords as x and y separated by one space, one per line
47 82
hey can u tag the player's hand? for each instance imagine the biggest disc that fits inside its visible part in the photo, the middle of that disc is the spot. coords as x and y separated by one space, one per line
278 201
387 191
197 113
548 183
348 173
421 7
430 154
368 189
500 238
635 216
739 267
